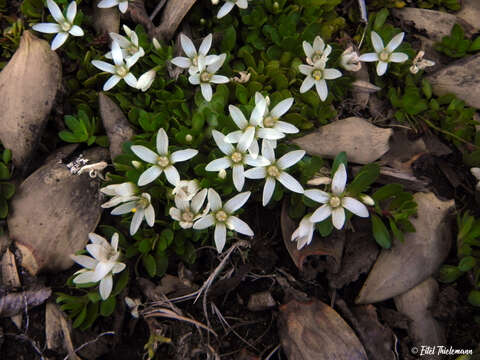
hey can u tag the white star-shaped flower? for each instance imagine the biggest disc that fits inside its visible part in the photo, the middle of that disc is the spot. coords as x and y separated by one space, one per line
385 54
236 158
122 4
317 52
101 266
142 209
186 212
128 45
275 170
271 118
191 62
336 202
121 69
251 131
229 5
186 189
316 75
304 233
221 216
65 26
121 193
206 75
163 161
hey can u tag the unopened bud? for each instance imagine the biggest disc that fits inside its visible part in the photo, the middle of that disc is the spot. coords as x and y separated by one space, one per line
188 138
214 2
156 44
136 164
367 200
203 21
222 174
146 80
350 60
276 5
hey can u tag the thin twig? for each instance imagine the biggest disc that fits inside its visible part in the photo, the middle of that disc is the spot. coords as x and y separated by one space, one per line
157 9
90 342
275 349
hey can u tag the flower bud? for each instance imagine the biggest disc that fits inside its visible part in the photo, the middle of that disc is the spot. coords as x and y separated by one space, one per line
222 174
136 164
156 44
146 80
350 60
203 21
214 2
367 200
276 5
188 138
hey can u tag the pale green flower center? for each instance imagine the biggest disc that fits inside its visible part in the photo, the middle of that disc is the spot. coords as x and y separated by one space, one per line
236 157
317 74
142 203
187 216
121 70
132 49
66 26
195 60
384 56
269 121
163 161
221 216
317 55
205 76
273 171
335 202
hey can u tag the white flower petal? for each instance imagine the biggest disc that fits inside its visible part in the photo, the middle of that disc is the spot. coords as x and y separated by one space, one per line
117 55
214 200
218 164
395 42
205 45
253 149
307 84
369 57
238 177
225 9
256 173
256 161
242 4
246 139
85 277
330 74
130 61
182 62
47 28
114 241
162 142
322 90
355 207
339 180
76 31
381 68
72 12
308 49
256 116
59 40
286 128
236 202
144 153
206 89
290 182
175 214
268 190
105 287
215 66
187 46
220 236
377 42
224 146
124 208
233 137
101 270
269 134
183 155
150 215
121 40
240 226
111 82
107 3
267 151
85 261
219 79
398 57
194 79
321 213
172 175
55 11
149 175
282 107
130 80
317 195
318 44
290 159
204 222
338 217
118 267
136 221
123 6
104 66
238 117
198 200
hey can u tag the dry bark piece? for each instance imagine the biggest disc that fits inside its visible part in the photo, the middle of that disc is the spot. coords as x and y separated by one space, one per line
29 85
172 16
408 263
470 13
261 301
461 78
436 24
116 124
105 20
4 244
312 331
11 279
362 141
424 329
331 247
57 331
14 303
52 213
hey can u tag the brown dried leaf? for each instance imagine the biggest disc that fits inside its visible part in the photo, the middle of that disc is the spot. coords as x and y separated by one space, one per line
11 279
52 213
29 85
172 16
116 124
409 263
362 141
312 331
14 303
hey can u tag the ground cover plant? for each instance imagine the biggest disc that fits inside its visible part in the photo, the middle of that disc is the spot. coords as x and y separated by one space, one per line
259 164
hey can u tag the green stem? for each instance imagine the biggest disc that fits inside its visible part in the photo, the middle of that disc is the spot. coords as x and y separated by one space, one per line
433 126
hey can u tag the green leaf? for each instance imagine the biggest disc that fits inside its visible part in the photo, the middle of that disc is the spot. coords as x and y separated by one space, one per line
149 264
467 263
380 19
386 191
366 177
474 297
475 46
426 88
145 246
3 208
94 296
7 190
4 173
229 39
380 232
341 158
92 315
162 262
121 283
397 233
80 318
241 93
449 274
6 156
108 306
